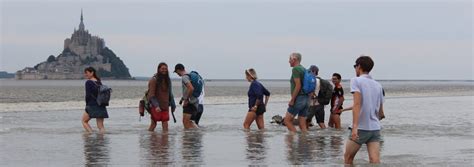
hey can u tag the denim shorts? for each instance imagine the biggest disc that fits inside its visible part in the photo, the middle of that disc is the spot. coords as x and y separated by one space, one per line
366 136
300 107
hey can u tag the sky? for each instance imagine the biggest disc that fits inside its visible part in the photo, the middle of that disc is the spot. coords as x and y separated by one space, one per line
416 39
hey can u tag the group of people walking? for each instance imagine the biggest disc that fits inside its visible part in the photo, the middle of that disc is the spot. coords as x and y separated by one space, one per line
303 105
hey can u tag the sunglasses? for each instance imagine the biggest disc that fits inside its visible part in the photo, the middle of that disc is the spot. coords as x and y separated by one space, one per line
355 65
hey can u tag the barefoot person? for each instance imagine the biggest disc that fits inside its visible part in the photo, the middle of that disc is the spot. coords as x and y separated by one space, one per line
257 106
189 101
336 102
93 109
368 103
160 96
299 102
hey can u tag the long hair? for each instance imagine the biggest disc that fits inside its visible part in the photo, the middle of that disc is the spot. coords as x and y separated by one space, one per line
162 78
93 71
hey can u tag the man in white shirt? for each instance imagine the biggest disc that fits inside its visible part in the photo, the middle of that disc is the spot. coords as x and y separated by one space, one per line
368 102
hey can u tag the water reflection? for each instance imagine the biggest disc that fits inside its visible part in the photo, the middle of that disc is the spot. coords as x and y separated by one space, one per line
304 149
192 147
256 147
157 149
96 149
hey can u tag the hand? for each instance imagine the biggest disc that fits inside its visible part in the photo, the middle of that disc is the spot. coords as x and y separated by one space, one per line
354 135
185 103
253 109
157 109
291 103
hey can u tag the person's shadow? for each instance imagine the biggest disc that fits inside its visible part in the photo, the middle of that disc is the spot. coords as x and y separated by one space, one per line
96 149
256 148
156 149
192 147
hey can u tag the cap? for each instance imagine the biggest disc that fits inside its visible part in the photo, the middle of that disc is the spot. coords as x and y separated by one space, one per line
178 66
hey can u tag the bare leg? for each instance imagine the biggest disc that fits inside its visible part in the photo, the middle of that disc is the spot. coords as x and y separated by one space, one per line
302 123
350 152
374 152
331 121
85 122
100 125
260 122
289 122
164 125
152 125
187 123
337 121
249 119
322 126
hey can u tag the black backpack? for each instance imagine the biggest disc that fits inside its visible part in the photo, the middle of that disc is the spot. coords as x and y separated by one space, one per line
325 92
103 94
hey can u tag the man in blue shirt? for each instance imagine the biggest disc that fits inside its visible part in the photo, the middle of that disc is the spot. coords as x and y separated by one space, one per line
368 102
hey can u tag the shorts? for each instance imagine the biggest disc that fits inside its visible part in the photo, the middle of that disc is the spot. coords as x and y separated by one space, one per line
97 112
300 107
190 109
367 136
260 110
163 115
318 112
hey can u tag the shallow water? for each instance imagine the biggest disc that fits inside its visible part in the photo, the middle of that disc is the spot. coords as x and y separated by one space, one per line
418 131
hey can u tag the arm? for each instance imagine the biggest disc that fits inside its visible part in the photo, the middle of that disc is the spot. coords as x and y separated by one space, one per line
189 93
355 114
267 95
151 94
296 91
381 114
89 88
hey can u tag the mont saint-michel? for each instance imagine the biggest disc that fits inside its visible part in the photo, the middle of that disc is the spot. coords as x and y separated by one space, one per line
80 51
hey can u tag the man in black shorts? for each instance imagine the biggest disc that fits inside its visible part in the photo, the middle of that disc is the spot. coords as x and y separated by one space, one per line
188 101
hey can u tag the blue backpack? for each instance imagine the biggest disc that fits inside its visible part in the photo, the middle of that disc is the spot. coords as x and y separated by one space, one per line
309 82
197 82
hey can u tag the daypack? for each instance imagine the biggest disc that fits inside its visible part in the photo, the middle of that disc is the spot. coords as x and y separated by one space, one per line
309 82
197 82
103 95
325 92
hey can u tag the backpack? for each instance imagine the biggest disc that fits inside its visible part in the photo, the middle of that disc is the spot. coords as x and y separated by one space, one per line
325 92
103 95
197 82
309 82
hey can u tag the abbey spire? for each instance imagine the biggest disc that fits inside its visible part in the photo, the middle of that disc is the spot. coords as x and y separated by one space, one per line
81 25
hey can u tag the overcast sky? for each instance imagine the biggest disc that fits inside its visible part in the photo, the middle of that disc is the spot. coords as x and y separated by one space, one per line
416 39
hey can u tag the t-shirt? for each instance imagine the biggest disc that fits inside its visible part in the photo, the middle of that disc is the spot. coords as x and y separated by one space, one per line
256 92
371 99
185 80
201 97
314 101
297 72
336 94
92 91
160 91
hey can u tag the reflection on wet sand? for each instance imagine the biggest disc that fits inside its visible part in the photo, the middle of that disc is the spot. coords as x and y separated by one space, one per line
305 149
96 149
156 148
256 148
192 147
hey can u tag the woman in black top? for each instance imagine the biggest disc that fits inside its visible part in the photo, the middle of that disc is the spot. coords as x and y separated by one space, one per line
93 110
257 94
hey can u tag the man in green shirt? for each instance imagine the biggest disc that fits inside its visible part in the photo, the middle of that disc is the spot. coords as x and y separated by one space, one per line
299 102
